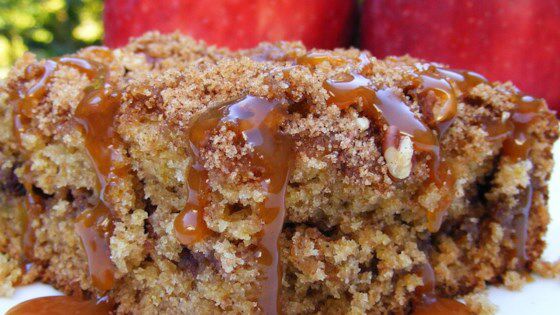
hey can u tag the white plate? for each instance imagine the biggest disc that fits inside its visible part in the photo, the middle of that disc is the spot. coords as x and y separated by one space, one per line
539 297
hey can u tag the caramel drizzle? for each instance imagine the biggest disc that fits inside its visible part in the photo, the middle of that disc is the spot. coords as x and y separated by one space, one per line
437 90
513 133
31 211
464 80
517 142
24 103
311 59
441 111
256 122
26 100
386 107
428 303
60 305
519 224
314 59
95 114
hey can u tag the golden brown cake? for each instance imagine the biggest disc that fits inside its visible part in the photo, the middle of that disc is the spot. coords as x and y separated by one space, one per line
171 177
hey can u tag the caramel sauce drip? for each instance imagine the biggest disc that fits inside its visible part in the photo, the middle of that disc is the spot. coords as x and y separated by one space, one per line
464 80
436 90
95 227
428 303
437 99
520 223
386 107
441 306
512 131
61 305
32 208
310 59
313 59
256 122
25 101
350 89
95 114
446 85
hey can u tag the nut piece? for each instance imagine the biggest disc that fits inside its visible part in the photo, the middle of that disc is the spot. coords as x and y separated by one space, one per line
363 123
399 162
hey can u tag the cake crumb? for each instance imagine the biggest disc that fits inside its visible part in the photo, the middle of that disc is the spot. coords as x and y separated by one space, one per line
514 281
547 269
10 273
479 303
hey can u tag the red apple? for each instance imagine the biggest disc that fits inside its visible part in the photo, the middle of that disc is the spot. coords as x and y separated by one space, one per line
234 23
516 40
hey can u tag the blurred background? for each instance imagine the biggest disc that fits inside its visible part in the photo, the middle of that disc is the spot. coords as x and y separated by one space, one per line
47 28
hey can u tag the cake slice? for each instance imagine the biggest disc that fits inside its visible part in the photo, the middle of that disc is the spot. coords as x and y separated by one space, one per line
171 177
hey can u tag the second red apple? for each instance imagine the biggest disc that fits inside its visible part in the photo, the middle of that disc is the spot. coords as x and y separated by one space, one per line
517 40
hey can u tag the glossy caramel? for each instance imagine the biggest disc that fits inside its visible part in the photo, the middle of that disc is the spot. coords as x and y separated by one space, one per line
437 96
95 227
514 134
313 59
518 141
427 301
437 90
349 89
441 306
441 111
256 121
32 208
464 80
25 100
95 115
61 305
385 107
520 223
513 131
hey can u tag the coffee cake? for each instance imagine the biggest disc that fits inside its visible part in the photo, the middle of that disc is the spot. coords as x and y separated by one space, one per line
172 177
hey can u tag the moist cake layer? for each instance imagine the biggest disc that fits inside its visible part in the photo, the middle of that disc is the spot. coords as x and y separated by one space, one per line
168 176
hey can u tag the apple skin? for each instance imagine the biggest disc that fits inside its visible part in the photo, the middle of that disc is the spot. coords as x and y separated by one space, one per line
234 23
505 40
